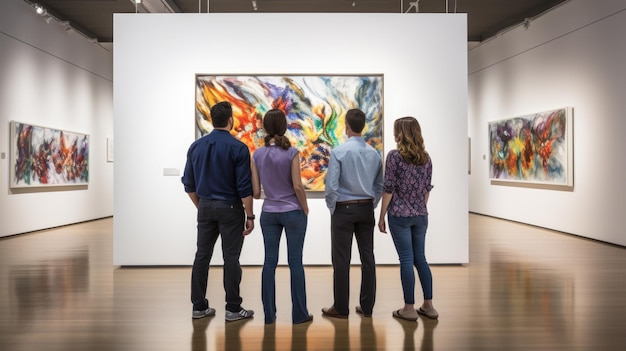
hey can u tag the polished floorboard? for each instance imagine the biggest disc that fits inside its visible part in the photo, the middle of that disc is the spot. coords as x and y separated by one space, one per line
525 288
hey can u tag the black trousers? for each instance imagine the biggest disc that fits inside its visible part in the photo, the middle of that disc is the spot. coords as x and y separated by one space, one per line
357 219
215 218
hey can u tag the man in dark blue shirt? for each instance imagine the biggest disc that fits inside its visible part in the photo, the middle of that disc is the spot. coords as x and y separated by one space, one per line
218 180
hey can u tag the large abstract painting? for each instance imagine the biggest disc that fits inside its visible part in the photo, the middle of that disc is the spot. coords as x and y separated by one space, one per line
43 156
533 149
315 107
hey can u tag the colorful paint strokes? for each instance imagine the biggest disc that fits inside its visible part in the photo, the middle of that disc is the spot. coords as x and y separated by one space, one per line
315 107
535 148
48 157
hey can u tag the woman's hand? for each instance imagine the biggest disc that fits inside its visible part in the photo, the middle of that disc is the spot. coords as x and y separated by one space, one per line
381 225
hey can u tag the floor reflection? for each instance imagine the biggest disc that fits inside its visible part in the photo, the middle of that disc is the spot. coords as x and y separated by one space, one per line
299 339
522 290
60 291
233 339
409 328
269 337
341 338
59 284
199 335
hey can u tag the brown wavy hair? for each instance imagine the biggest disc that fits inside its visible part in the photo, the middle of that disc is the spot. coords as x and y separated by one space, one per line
410 143
275 125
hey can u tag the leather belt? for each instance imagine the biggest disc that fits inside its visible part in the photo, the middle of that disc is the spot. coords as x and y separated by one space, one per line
351 202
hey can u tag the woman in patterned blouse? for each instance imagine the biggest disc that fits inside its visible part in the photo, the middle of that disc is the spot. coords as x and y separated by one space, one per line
408 173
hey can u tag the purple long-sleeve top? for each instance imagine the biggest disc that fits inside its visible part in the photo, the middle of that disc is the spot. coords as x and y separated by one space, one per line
409 184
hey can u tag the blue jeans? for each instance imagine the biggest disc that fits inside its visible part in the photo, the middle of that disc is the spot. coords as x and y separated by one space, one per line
272 225
409 236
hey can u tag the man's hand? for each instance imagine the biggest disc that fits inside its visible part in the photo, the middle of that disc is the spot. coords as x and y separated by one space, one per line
249 227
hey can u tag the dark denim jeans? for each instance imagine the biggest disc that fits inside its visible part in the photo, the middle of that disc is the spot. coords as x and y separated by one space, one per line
409 236
272 224
215 218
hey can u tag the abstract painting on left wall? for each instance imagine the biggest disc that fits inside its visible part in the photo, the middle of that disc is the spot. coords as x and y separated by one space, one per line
42 156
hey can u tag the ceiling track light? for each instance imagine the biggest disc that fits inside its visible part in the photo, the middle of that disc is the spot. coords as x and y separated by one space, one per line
48 16
41 11
526 23
254 7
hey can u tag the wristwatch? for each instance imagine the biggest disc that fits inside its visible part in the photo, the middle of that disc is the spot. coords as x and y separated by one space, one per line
251 217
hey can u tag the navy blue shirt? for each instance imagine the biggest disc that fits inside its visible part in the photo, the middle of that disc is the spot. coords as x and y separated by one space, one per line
218 168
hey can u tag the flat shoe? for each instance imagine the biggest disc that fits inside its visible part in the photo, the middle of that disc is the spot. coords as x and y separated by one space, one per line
359 310
308 319
332 312
431 313
406 316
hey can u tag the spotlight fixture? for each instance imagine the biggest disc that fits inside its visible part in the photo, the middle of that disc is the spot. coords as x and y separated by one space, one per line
136 3
254 5
48 17
41 11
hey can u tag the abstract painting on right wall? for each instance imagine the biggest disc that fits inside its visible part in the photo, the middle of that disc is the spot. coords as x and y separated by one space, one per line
534 150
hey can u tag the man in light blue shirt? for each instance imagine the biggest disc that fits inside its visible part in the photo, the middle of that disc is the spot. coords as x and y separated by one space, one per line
354 185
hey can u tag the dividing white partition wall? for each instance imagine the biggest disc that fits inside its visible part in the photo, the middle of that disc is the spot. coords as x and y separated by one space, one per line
571 56
423 58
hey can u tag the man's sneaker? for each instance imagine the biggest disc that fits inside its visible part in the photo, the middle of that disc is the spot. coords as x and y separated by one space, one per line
235 316
201 314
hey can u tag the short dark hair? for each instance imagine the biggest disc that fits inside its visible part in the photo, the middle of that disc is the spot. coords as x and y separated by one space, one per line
355 118
220 113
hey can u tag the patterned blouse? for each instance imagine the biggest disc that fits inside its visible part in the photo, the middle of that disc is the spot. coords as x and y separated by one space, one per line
408 183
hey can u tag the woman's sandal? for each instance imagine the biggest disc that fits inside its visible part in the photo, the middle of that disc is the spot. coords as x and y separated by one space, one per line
431 313
406 316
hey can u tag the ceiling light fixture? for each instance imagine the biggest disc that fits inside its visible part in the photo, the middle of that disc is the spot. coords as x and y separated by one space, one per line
41 11
48 16
254 5
136 3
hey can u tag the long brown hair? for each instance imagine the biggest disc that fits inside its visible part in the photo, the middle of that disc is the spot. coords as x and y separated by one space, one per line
275 125
410 143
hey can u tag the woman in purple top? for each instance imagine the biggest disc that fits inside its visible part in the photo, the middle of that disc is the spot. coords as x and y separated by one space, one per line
408 172
276 167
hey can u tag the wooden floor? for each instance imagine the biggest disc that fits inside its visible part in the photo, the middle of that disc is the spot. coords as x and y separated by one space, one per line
524 289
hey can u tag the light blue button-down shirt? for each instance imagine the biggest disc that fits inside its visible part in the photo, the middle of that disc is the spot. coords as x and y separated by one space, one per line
355 172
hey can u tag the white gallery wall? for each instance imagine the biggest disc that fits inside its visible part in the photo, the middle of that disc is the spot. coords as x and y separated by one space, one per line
573 56
58 79
424 61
